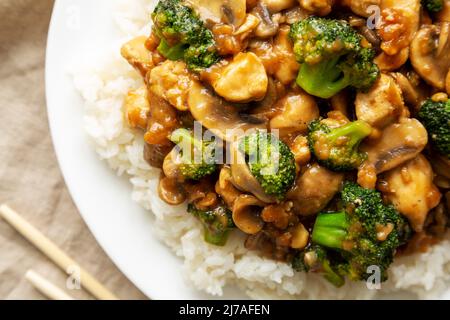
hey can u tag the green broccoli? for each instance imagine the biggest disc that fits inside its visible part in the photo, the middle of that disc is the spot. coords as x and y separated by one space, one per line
365 233
331 57
197 157
270 161
316 258
435 116
217 223
433 6
338 148
183 35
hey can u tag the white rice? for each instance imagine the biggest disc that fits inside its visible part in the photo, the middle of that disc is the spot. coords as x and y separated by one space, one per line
103 86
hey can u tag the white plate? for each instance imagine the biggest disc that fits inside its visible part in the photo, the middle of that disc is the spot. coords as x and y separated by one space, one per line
78 29
121 227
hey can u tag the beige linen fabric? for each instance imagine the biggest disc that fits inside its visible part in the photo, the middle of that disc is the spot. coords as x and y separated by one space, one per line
30 180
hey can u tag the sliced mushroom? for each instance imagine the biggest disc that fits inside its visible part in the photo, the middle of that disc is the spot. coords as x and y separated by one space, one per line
275 6
242 80
297 111
413 91
171 165
249 25
267 27
246 214
411 190
397 144
170 191
221 11
220 117
243 178
314 189
382 104
137 54
225 187
430 53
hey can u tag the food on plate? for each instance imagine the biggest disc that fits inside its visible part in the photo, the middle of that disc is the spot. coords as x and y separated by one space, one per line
295 137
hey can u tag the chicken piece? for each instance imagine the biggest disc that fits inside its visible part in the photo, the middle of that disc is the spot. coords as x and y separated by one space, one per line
163 120
265 52
361 7
137 108
317 7
287 66
242 80
411 190
382 105
172 82
399 22
300 148
137 54
390 63
314 189
297 111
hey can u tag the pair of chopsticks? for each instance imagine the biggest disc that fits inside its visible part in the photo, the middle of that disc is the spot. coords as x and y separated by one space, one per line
55 254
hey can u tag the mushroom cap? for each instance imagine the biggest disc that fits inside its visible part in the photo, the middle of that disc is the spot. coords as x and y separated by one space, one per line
243 178
430 53
398 143
218 11
223 119
246 214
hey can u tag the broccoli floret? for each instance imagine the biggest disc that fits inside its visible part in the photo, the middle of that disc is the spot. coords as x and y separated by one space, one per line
365 233
316 258
183 35
433 6
217 223
331 57
435 116
270 161
338 148
197 157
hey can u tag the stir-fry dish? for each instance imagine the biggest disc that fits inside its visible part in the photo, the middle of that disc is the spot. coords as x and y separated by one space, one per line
318 128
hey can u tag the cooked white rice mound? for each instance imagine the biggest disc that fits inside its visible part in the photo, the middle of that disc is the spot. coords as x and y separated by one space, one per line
103 87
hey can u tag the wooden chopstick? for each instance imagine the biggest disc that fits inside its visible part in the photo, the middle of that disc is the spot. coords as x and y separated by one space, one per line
54 253
47 288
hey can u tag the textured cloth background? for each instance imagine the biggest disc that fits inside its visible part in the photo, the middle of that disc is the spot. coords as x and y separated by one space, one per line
30 180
